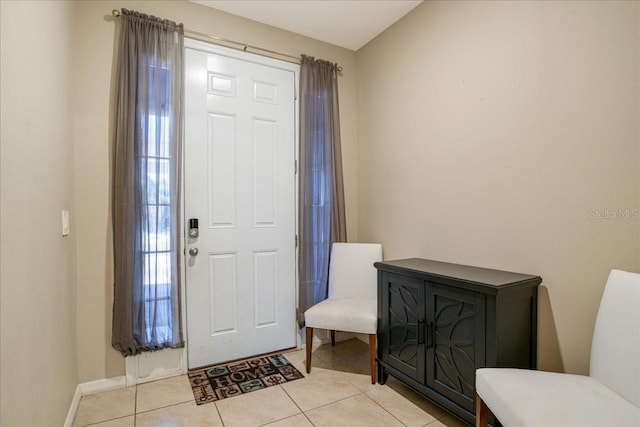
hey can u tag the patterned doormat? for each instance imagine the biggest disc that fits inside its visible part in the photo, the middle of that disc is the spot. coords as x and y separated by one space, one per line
219 382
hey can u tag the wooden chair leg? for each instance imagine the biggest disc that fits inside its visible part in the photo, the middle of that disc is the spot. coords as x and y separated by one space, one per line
372 357
333 338
308 344
482 412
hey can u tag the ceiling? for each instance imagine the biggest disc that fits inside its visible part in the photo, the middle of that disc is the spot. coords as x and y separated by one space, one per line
346 23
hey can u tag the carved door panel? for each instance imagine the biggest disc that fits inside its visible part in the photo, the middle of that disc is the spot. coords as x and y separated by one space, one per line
403 320
455 341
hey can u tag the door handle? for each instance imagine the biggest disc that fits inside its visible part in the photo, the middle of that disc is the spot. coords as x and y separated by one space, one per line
430 334
193 251
421 331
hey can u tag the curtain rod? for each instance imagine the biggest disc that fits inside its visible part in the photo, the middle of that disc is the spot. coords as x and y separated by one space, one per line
294 59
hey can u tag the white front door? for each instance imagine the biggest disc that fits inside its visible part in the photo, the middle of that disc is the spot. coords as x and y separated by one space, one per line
240 186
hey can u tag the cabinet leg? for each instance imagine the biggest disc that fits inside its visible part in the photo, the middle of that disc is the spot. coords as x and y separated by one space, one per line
382 375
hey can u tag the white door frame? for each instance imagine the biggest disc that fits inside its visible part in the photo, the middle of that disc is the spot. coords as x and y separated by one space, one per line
155 363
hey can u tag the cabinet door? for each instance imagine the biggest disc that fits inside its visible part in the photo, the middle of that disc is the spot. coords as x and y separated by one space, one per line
403 320
455 341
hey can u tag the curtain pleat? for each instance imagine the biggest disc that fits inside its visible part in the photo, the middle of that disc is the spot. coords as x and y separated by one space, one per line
148 120
321 190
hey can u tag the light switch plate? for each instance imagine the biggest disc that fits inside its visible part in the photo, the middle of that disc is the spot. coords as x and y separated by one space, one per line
65 223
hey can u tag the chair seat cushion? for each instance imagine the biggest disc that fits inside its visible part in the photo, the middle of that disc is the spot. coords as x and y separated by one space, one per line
342 314
520 397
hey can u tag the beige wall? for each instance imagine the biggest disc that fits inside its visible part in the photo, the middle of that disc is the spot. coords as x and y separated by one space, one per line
489 132
38 349
486 133
94 53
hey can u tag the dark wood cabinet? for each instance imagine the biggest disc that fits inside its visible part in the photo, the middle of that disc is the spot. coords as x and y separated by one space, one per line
438 322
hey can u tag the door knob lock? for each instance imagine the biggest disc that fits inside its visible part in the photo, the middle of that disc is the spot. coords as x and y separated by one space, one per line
193 251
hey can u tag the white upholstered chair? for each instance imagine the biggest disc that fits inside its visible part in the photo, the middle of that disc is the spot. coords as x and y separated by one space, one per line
608 396
353 297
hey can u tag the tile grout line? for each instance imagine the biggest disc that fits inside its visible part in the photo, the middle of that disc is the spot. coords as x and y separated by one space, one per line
335 365
218 411
215 402
109 419
297 406
384 409
135 406
166 406
279 385
331 403
331 366
444 414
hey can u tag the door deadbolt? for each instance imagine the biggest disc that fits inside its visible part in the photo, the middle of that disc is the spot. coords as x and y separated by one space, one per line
193 251
193 228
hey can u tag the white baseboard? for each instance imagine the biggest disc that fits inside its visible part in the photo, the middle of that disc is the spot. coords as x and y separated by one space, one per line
71 415
363 337
91 387
105 384
321 336
115 383
161 373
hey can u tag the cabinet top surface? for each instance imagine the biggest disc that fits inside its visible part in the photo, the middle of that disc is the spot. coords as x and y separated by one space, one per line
434 269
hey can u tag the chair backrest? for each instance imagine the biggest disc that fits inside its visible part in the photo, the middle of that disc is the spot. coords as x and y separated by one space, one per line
351 270
615 350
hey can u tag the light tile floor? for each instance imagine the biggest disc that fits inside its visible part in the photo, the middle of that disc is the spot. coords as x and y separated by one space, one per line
337 392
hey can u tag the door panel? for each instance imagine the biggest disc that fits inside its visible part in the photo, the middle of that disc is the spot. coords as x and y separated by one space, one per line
403 319
222 293
453 317
240 184
221 166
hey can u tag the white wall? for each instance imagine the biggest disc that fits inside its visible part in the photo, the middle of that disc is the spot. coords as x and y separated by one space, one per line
38 348
488 134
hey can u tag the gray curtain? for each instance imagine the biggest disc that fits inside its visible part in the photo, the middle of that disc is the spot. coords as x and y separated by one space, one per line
321 198
148 120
